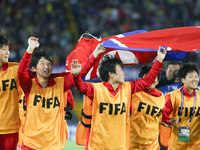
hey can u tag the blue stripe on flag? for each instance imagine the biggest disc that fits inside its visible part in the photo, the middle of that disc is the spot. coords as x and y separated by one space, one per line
175 55
112 45
134 32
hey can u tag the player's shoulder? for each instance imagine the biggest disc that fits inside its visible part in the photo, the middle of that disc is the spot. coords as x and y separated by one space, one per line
13 64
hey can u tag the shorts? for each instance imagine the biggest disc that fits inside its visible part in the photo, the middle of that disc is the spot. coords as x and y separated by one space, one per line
8 141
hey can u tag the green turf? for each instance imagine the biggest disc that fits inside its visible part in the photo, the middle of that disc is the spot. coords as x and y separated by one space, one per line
71 145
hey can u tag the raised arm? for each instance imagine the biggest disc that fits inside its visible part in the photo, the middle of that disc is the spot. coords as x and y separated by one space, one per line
23 74
85 66
84 88
161 54
91 60
148 80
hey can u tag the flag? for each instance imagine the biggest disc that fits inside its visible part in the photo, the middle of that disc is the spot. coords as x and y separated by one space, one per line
85 47
139 46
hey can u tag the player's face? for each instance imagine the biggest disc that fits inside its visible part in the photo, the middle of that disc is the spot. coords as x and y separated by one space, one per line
44 68
4 54
119 76
191 80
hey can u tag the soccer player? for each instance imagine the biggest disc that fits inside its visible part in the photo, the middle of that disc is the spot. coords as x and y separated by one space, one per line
111 101
146 106
23 110
9 98
45 127
184 107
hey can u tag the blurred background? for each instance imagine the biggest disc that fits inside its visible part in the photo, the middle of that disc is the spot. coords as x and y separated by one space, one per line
59 24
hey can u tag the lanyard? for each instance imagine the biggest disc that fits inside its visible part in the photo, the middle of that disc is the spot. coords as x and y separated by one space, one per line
182 98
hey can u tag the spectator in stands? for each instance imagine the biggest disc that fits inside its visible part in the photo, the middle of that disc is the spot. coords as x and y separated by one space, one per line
168 81
105 18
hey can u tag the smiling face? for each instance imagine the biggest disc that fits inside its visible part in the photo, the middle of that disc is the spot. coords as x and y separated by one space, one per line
191 80
4 54
43 69
119 76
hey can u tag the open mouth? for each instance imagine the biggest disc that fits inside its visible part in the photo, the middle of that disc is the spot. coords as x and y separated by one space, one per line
194 84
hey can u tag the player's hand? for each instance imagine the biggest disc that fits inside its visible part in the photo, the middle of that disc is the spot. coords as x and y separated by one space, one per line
98 50
32 44
173 121
161 54
75 67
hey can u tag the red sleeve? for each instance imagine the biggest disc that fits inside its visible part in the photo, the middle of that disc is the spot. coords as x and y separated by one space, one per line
167 109
83 87
87 66
70 98
23 73
85 69
148 80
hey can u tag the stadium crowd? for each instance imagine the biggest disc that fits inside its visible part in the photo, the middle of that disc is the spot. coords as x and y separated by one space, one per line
48 20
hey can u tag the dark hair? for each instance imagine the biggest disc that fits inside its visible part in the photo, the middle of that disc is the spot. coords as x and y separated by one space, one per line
174 63
37 55
187 68
145 70
3 40
108 64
